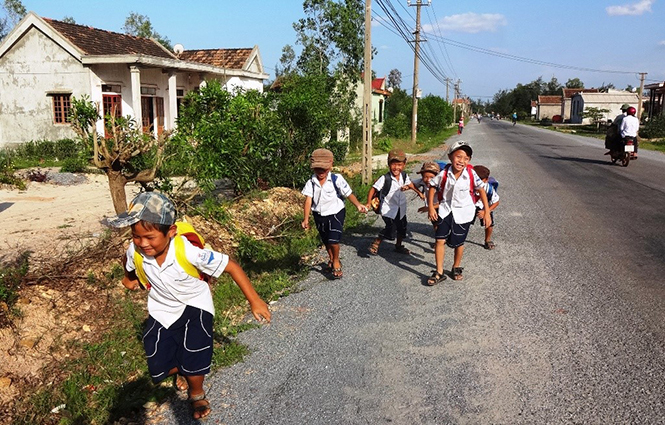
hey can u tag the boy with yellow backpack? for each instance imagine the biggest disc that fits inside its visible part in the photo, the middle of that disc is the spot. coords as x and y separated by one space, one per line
178 334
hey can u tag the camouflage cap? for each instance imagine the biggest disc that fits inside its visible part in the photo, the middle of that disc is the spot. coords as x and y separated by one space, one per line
152 207
625 106
396 155
321 158
430 167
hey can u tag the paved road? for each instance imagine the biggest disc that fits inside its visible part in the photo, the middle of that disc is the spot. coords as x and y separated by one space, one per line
562 323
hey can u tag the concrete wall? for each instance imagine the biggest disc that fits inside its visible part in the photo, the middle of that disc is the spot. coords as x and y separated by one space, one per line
548 111
30 70
579 106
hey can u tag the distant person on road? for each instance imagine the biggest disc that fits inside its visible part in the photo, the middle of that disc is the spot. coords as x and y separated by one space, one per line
492 200
454 188
629 127
460 125
388 191
613 136
514 117
324 197
178 335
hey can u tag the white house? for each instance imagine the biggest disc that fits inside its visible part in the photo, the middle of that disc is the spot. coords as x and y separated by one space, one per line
611 101
44 63
379 96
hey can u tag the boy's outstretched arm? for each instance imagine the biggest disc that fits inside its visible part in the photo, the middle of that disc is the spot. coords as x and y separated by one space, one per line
370 195
483 197
414 188
362 208
307 210
259 307
130 281
433 216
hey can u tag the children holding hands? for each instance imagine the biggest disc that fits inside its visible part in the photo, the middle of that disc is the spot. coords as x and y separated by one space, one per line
324 197
454 188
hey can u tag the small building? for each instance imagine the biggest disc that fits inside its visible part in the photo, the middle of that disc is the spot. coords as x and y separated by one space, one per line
656 95
611 101
461 107
44 63
379 96
534 108
567 101
548 107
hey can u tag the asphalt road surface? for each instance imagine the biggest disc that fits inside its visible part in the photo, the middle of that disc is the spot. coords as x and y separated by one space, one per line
563 323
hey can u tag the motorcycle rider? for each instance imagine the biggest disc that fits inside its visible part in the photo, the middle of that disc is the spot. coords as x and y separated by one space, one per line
613 137
629 127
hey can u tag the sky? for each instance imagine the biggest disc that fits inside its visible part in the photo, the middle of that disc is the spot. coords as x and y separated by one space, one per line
466 40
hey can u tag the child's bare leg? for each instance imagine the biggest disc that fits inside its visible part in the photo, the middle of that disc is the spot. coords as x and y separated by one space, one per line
457 259
200 405
488 234
331 255
439 253
333 251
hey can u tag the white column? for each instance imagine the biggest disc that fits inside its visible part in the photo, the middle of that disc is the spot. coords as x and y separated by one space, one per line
202 81
173 101
136 94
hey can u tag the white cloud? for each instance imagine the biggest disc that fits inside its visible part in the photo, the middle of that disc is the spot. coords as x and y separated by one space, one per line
638 8
470 22
662 43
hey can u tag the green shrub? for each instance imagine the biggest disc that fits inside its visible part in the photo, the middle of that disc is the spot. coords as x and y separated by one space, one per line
338 148
76 164
546 121
384 144
10 283
654 128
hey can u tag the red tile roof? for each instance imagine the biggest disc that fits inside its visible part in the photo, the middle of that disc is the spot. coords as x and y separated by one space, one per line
568 93
93 41
549 99
223 58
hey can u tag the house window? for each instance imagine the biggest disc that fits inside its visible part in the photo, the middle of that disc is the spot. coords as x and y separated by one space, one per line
180 94
61 107
112 104
148 91
111 88
381 110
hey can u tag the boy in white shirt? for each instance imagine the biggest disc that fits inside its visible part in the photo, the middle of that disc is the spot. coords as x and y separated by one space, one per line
392 201
324 194
178 336
493 202
455 187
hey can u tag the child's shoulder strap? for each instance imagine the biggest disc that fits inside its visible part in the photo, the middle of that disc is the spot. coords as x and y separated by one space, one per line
387 182
444 178
333 177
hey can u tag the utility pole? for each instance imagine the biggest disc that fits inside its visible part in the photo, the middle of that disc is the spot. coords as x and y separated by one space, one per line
639 101
414 114
447 83
455 95
367 98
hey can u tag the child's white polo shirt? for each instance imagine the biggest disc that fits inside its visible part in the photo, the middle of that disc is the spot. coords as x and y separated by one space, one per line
172 289
456 195
324 197
395 200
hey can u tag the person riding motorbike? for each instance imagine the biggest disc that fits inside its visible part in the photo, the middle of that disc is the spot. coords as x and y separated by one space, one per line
629 128
613 136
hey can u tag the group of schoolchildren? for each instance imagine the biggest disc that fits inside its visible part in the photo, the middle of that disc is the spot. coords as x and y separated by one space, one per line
178 336
454 197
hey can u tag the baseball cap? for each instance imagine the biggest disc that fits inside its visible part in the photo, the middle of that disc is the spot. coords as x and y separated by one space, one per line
429 167
461 144
396 155
321 158
152 207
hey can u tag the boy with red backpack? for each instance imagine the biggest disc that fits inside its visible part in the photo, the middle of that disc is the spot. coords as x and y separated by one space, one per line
180 304
455 189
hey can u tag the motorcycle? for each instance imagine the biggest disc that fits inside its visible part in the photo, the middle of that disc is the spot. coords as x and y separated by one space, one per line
623 151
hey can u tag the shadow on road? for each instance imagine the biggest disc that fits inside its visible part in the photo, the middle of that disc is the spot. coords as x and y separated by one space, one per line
575 159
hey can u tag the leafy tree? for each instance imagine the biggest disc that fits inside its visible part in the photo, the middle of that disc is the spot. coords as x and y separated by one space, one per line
596 115
394 79
69 20
574 83
604 88
140 26
286 64
629 88
332 37
398 114
553 87
434 114
14 11
128 155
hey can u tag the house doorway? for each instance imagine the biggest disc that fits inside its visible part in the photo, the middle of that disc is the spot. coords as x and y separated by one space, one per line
112 105
152 113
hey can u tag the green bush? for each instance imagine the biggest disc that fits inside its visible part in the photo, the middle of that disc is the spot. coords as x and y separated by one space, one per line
654 128
76 164
338 148
546 121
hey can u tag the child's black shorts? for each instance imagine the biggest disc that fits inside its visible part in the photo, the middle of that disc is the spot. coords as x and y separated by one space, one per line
395 228
330 226
454 234
482 222
187 345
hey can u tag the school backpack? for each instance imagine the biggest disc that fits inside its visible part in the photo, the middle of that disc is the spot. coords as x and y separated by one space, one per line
472 184
493 186
379 196
184 229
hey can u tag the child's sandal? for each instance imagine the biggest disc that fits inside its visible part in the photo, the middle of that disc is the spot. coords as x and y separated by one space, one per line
457 273
402 249
201 405
436 278
337 272
374 248
489 245
180 382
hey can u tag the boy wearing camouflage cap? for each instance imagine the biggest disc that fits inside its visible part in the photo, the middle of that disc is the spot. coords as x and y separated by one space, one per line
178 333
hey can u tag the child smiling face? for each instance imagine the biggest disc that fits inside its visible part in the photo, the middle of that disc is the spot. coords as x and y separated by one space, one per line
396 167
459 160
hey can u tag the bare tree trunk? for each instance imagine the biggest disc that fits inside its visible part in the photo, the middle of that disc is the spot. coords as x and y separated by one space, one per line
117 183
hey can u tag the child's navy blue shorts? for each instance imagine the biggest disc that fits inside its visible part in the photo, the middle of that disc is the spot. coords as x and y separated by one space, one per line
454 234
330 226
482 222
187 345
395 227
